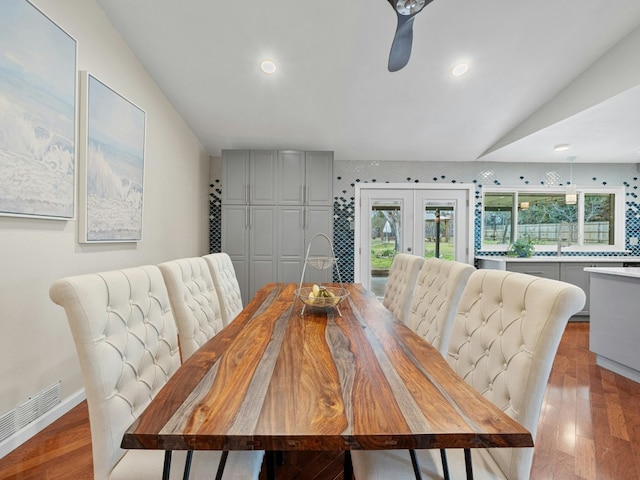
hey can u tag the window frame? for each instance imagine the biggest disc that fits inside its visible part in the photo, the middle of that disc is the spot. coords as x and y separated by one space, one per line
619 193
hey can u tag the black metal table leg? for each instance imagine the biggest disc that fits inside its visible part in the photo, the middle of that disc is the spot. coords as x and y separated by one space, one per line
221 465
348 466
166 470
270 463
467 463
187 465
445 464
416 465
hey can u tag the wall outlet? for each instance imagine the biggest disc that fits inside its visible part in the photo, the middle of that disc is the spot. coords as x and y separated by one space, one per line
633 241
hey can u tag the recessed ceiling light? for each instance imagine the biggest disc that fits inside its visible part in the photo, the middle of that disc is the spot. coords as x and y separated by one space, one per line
460 69
268 67
563 147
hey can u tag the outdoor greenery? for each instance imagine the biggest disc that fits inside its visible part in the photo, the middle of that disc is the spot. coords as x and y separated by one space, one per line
385 224
382 253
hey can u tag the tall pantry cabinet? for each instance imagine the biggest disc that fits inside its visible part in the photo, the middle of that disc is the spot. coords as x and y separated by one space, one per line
273 202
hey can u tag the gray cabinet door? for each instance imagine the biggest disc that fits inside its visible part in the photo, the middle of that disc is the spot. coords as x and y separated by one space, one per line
573 272
318 220
235 177
262 247
319 178
539 269
291 168
235 242
291 246
296 229
263 178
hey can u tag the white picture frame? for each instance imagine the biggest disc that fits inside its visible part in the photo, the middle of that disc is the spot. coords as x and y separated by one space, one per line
113 135
38 114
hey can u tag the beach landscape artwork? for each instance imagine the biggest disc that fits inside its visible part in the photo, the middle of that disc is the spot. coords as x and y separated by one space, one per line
114 136
37 114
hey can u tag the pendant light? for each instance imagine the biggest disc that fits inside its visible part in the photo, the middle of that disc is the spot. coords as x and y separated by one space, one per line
571 194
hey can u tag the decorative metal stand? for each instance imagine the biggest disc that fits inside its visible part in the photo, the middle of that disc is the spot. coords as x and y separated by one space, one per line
321 263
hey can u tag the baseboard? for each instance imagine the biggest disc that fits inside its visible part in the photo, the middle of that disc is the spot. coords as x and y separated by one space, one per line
42 422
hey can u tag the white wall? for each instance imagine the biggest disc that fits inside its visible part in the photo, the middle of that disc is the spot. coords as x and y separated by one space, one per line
36 347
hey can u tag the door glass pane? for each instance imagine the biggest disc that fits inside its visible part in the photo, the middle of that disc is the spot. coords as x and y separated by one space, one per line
439 231
386 240
599 219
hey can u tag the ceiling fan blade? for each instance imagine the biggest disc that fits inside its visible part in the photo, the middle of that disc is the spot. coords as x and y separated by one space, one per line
402 42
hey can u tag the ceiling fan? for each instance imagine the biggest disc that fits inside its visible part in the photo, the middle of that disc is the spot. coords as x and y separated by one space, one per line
406 10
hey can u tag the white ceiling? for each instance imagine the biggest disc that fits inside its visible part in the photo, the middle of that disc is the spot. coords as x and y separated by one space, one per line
542 72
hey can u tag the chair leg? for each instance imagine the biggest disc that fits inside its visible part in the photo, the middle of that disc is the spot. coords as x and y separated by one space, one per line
280 457
416 466
223 462
166 470
467 463
187 465
445 464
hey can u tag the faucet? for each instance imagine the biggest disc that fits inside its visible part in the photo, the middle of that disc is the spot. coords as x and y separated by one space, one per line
560 244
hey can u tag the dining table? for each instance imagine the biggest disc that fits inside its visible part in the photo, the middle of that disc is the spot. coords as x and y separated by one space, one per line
287 376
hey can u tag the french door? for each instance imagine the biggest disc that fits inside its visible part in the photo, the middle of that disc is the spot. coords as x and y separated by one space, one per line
426 220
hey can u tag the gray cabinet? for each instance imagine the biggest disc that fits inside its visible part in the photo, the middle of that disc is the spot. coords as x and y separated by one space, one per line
305 178
539 269
250 177
272 205
574 273
249 238
566 271
298 225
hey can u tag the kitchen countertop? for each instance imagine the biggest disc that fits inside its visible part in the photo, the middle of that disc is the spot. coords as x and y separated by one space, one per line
554 258
633 272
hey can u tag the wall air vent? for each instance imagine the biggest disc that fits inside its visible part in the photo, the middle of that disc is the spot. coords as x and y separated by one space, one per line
27 412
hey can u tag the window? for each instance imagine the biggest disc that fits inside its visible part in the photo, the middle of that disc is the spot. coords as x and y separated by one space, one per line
594 223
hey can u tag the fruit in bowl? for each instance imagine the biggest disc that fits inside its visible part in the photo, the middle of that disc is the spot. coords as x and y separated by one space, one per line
321 296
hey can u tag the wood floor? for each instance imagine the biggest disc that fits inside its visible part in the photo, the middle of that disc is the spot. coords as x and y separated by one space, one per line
589 429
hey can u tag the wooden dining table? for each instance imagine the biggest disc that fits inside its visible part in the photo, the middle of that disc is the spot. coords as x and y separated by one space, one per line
277 379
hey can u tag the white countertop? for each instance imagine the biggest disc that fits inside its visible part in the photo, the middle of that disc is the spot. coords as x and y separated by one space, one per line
555 258
633 272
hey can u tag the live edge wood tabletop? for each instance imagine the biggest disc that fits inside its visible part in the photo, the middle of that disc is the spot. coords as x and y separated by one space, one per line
276 380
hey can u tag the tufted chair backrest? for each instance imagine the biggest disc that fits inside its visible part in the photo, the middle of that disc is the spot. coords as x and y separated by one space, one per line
127 344
399 288
505 336
194 300
435 299
227 286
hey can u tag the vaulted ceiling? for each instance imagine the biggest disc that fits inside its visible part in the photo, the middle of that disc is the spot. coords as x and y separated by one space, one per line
542 73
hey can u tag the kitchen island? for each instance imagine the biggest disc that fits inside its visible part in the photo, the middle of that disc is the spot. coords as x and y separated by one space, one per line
615 319
567 268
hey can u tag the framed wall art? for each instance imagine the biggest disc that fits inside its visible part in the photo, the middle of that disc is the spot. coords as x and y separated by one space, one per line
112 160
38 91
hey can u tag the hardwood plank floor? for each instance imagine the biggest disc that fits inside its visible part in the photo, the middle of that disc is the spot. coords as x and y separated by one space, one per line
589 429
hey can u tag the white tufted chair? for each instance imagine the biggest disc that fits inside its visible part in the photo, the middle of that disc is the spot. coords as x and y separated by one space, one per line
194 301
127 345
505 336
435 299
399 288
226 282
